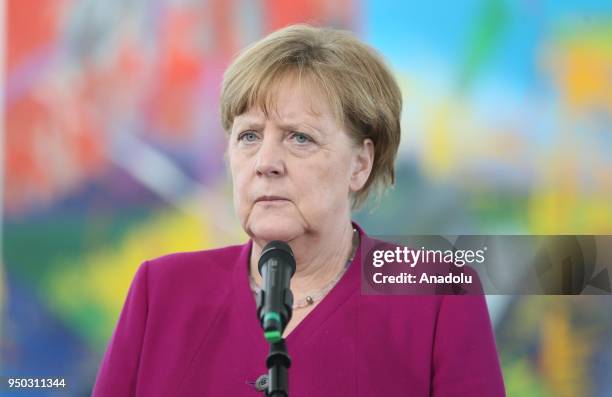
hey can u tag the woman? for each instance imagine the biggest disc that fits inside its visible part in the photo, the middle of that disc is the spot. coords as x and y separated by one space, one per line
313 123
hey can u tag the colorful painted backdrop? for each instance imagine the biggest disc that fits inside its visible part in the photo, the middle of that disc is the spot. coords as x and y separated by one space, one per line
113 153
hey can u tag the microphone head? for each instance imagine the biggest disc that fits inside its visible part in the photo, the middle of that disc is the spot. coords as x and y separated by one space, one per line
279 249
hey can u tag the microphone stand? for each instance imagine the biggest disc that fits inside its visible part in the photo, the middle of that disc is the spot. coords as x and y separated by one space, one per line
274 312
278 362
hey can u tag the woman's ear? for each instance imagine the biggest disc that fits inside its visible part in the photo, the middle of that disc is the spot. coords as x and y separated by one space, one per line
362 165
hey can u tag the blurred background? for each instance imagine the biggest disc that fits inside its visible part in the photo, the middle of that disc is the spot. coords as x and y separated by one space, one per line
112 153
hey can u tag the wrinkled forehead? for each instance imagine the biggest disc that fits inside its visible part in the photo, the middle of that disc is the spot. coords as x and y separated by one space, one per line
289 95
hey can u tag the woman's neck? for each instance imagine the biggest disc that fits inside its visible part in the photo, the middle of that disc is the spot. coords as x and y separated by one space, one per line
319 258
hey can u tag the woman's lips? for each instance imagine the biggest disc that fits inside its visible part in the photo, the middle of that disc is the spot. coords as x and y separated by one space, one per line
271 200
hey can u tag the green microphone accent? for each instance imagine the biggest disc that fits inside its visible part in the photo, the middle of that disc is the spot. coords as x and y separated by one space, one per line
272 336
272 316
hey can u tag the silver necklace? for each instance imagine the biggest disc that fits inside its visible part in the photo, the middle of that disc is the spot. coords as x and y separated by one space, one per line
316 296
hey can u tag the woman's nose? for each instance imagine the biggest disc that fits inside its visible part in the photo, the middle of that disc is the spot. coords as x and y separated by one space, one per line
270 160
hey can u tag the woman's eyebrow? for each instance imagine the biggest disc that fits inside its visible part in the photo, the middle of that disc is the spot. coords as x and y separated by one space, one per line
297 126
248 121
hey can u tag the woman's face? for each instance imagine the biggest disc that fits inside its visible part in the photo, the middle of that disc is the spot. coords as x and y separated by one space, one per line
293 171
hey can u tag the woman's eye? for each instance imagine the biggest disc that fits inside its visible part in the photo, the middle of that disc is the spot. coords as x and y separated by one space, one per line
247 137
301 138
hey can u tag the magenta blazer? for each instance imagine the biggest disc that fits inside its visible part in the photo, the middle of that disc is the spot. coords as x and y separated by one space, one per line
189 328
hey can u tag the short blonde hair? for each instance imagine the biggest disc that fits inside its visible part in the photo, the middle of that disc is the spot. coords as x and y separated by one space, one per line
360 88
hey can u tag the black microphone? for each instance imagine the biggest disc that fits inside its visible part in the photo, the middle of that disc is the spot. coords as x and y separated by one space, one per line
275 300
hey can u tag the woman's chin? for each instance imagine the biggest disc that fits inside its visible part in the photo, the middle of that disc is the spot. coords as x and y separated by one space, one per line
274 229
